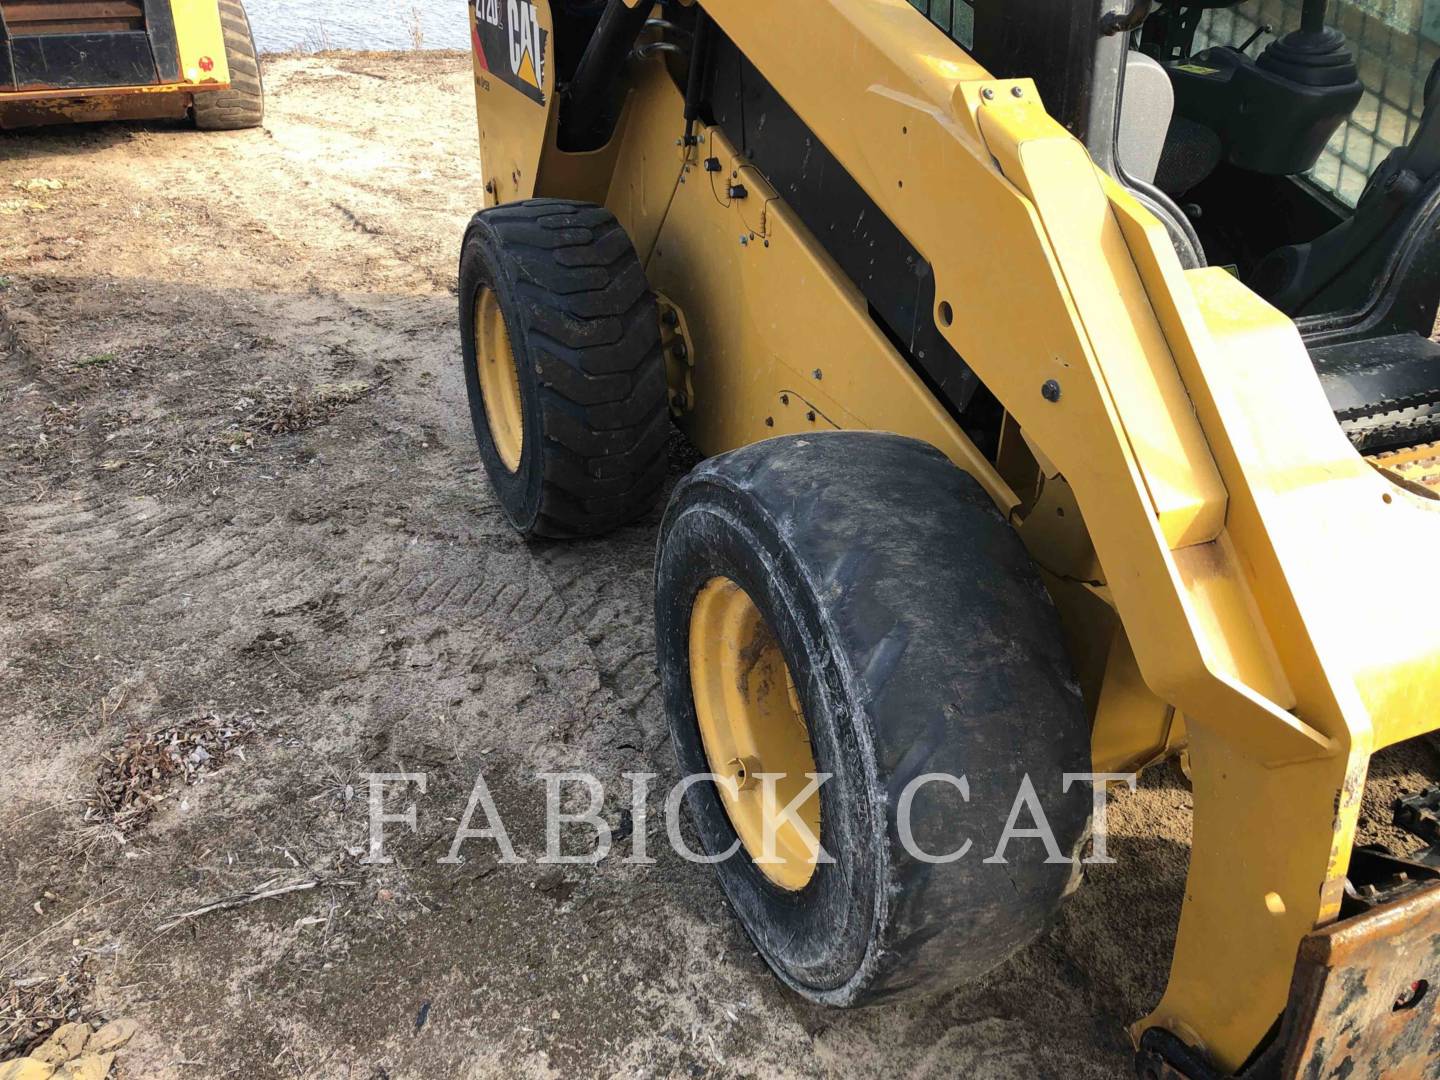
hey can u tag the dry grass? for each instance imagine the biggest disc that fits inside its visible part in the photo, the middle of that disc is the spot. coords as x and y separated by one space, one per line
318 40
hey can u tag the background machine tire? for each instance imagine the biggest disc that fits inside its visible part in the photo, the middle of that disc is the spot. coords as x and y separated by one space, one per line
919 639
243 105
561 342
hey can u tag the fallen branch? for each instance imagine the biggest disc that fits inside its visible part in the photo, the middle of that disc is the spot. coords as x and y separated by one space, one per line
243 899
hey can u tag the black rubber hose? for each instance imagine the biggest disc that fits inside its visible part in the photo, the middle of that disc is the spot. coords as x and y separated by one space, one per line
586 103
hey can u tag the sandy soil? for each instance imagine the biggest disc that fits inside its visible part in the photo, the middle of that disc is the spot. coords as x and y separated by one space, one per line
237 482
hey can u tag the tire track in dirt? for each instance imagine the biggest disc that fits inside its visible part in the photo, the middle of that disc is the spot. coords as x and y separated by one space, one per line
510 597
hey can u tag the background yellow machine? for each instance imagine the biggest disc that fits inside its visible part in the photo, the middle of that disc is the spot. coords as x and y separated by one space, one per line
1060 423
77 60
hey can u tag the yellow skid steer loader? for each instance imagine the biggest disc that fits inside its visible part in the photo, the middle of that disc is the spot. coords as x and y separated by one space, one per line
1066 378
64 61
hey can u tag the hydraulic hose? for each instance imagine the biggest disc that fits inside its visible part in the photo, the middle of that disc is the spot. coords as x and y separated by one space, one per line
585 105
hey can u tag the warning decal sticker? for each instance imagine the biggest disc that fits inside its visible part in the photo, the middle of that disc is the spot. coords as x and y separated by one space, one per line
509 42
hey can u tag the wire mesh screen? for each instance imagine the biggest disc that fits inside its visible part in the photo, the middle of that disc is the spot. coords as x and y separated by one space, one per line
1395 43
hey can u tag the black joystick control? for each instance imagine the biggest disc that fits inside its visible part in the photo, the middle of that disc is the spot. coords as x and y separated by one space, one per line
1311 56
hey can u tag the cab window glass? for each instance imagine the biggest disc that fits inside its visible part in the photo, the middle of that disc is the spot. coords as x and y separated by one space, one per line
955 17
1395 44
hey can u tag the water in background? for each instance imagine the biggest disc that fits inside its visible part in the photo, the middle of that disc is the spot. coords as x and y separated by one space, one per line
309 25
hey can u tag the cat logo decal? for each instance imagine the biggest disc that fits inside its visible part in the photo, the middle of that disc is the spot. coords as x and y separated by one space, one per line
509 42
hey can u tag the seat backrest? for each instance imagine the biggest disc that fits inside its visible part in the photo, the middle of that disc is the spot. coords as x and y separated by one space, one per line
1146 107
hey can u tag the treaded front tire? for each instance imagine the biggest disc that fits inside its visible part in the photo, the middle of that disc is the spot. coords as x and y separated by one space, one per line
921 641
243 104
584 331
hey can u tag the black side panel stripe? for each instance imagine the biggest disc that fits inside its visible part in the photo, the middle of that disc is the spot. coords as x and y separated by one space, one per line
885 266
160 24
7 60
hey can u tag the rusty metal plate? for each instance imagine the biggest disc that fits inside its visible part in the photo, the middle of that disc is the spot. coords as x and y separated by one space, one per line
127 103
1365 999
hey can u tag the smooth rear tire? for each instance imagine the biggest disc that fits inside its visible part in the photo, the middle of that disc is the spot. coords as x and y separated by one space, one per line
921 640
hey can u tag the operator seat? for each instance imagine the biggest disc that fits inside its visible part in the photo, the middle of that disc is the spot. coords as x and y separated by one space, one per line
1191 153
1191 150
1155 144
1146 108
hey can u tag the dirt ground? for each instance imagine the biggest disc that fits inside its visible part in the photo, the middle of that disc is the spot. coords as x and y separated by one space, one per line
241 514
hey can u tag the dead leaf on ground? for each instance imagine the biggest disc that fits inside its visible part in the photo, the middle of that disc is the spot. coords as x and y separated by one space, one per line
33 1006
136 776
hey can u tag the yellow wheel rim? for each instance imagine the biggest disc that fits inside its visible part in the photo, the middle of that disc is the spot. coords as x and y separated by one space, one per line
751 722
499 379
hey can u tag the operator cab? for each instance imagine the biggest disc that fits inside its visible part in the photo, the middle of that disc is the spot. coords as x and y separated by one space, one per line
1294 142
